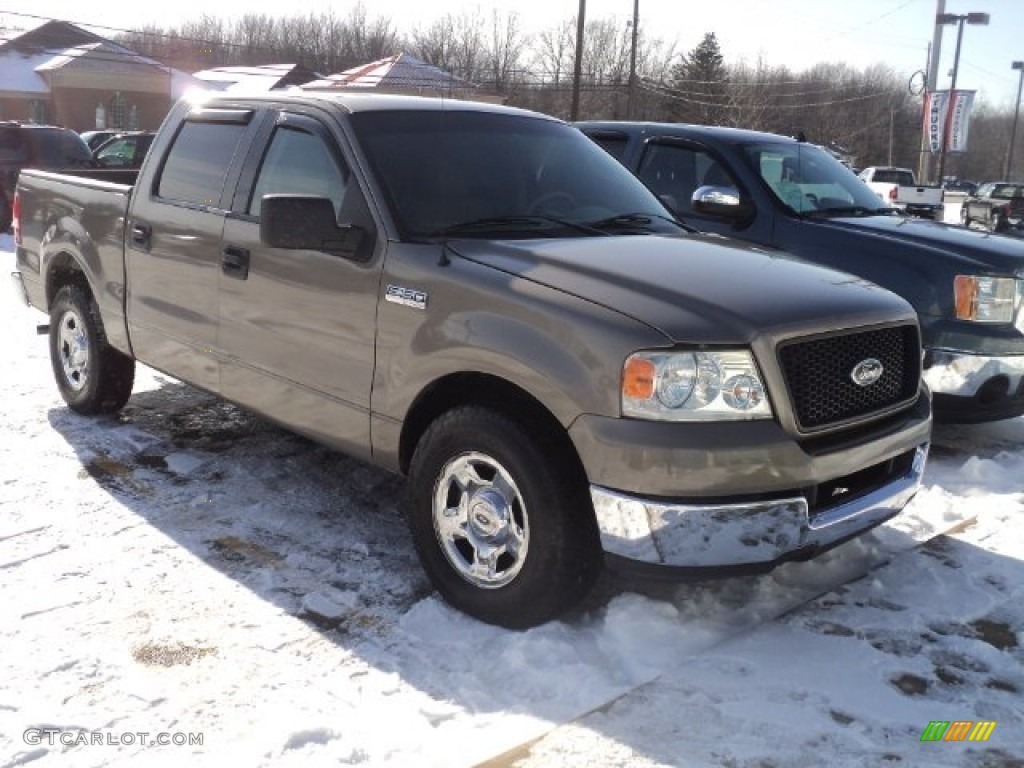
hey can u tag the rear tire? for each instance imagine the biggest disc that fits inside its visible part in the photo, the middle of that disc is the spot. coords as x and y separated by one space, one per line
91 375
503 525
997 223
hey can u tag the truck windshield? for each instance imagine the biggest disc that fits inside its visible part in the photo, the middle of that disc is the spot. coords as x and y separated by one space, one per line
481 174
807 179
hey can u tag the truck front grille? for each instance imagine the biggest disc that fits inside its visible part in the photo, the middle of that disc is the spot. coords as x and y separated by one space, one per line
820 374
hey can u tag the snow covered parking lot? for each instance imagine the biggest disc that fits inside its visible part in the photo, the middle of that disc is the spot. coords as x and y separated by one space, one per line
187 573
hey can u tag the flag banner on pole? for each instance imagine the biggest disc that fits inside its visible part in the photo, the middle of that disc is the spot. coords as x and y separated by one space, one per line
935 103
960 103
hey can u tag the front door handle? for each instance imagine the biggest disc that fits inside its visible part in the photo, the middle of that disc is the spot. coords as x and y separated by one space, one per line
141 234
235 262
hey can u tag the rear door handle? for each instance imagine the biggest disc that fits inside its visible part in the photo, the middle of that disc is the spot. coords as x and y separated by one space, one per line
235 262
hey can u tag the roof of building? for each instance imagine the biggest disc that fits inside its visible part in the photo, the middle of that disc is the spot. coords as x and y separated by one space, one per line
30 60
264 77
401 72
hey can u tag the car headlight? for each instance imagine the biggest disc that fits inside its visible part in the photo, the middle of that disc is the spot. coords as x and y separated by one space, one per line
693 386
986 299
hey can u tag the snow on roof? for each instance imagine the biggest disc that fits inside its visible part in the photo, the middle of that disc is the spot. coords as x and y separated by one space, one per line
400 71
264 77
22 67
18 72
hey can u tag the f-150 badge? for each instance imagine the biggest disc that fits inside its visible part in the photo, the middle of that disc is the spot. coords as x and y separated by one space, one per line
408 297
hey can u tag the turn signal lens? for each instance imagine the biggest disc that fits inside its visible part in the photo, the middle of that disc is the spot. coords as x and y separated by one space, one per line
638 378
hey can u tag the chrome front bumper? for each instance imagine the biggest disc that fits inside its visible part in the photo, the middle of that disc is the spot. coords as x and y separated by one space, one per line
961 375
714 535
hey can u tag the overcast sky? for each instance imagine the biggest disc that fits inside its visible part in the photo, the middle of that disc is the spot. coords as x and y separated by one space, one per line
796 33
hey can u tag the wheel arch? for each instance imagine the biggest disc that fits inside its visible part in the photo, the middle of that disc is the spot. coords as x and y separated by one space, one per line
62 269
489 391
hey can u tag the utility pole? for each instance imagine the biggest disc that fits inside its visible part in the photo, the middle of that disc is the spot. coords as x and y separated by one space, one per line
631 102
577 72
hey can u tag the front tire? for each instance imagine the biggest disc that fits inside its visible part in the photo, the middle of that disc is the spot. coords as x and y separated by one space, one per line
997 223
91 375
503 524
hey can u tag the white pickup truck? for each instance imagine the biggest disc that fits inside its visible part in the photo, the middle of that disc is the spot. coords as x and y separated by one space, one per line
899 188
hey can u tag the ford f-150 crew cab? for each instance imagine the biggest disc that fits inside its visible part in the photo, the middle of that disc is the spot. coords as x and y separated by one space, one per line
777 192
481 299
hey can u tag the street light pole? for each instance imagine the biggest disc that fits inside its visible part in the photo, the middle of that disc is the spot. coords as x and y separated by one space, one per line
1018 65
958 19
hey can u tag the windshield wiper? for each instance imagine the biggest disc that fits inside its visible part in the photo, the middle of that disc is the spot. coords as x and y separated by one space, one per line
632 221
514 223
851 210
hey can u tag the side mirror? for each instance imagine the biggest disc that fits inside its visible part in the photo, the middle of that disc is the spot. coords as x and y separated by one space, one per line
305 222
724 202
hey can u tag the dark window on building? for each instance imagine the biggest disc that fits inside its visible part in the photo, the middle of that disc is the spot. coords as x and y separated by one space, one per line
115 112
38 112
197 163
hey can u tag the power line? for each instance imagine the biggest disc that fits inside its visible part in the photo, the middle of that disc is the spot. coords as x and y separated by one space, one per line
670 94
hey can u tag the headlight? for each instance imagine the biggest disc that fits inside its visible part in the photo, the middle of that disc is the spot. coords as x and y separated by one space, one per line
693 386
985 299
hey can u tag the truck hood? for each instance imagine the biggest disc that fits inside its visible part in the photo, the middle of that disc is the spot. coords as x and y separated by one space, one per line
695 288
974 250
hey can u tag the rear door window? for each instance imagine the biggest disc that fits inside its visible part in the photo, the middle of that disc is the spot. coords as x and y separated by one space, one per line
197 163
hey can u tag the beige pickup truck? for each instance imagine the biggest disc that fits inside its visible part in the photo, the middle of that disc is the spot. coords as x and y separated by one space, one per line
480 298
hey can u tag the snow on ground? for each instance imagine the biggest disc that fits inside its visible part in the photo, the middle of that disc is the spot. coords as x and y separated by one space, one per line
185 570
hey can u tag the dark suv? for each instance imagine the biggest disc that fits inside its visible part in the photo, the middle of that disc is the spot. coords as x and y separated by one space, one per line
35 146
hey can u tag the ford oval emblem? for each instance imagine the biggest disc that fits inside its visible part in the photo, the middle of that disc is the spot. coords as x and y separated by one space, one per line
867 372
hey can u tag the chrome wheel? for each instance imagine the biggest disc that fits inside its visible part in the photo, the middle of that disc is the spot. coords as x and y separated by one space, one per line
480 520
73 349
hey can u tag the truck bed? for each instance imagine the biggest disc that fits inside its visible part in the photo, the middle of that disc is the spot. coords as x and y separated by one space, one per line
78 215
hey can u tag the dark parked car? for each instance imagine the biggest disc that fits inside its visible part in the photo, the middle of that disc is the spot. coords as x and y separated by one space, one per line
94 138
786 194
125 150
996 204
47 147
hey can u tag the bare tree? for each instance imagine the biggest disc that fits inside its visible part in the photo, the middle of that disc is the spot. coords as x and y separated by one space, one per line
454 43
504 53
555 51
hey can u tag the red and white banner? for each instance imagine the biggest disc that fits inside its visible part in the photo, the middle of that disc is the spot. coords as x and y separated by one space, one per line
935 103
959 120
947 117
